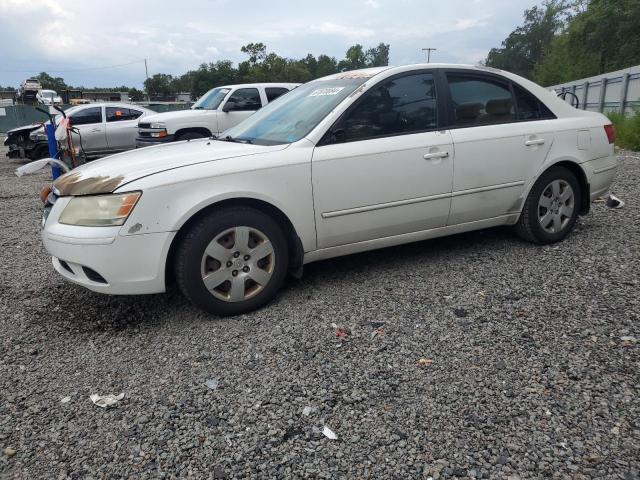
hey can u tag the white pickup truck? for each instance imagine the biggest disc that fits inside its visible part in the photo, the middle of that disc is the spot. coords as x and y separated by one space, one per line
216 111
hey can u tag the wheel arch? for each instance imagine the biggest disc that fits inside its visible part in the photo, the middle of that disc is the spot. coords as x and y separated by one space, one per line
296 250
201 130
575 168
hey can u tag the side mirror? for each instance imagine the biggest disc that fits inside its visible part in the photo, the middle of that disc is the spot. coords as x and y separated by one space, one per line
229 106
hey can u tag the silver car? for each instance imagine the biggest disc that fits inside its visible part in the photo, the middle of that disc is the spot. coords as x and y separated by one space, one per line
104 128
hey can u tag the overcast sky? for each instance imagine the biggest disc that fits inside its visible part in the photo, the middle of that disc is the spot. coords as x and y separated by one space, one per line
69 38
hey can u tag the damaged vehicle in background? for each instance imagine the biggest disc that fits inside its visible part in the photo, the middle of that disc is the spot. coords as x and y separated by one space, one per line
351 162
103 128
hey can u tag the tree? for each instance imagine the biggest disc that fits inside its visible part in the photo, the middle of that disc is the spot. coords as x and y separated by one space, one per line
160 85
355 58
136 95
378 56
52 83
525 47
326 66
256 52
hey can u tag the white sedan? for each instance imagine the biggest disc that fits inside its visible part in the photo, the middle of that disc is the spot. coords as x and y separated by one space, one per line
351 162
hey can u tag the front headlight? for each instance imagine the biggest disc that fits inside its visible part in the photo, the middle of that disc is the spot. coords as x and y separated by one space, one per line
99 210
157 125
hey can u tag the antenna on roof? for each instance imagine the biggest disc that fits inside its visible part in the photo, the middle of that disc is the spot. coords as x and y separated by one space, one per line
429 50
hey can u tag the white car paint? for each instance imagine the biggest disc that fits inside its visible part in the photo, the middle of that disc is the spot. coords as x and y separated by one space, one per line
205 121
341 198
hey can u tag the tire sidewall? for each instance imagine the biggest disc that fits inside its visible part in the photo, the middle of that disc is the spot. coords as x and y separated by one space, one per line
555 173
204 232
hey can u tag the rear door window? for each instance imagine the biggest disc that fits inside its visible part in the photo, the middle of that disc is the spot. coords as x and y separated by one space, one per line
274 92
479 100
117 114
529 107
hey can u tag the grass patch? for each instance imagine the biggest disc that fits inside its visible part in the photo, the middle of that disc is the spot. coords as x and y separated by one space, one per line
627 130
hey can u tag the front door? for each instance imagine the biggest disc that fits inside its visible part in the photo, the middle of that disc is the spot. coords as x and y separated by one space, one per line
387 170
502 135
90 123
241 104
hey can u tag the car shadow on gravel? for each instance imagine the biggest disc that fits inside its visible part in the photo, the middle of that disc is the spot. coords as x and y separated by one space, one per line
423 251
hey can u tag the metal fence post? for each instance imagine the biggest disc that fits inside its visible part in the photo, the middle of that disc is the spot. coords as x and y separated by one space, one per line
585 95
623 93
603 92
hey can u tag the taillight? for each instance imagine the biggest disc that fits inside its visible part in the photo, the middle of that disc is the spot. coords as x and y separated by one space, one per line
611 133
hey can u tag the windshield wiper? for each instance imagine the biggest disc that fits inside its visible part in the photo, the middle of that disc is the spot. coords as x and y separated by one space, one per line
229 138
197 108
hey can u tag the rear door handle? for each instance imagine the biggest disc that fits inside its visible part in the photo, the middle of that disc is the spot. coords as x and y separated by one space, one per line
533 143
429 156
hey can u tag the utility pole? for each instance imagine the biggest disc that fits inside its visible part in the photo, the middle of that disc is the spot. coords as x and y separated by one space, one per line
146 72
429 50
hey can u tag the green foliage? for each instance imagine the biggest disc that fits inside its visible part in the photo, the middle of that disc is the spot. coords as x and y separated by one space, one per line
51 83
565 40
627 130
261 66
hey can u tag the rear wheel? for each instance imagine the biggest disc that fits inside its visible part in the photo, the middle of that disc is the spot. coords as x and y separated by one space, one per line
232 261
551 209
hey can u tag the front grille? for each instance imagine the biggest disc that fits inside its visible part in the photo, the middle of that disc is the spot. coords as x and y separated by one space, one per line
144 125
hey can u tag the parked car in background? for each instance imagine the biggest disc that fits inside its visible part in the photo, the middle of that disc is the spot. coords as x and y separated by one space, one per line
48 97
216 111
104 128
351 162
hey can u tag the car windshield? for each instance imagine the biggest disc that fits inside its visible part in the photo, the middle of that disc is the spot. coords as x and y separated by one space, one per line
292 116
48 93
211 100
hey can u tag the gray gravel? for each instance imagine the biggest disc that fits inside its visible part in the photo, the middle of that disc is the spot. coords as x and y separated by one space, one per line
525 374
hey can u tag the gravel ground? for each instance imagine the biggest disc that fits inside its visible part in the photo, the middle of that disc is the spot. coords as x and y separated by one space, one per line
527 369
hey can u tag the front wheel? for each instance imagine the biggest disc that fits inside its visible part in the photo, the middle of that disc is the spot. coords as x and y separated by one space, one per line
551 209
232 261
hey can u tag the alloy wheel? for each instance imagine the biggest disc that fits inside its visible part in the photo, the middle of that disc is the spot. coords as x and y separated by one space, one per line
556 206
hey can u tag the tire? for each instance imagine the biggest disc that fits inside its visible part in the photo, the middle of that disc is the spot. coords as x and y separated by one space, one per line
190 136
550 219
39 152
236 283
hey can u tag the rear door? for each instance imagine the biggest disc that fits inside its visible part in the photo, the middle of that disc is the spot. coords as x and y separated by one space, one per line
501 135
90 123
122 127
241 104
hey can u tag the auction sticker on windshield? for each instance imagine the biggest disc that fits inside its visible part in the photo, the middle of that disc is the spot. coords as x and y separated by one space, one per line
326 91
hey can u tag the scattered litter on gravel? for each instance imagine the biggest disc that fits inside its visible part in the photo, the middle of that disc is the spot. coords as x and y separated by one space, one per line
536 370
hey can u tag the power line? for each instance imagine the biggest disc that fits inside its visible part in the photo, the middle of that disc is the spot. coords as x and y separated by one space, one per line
106 67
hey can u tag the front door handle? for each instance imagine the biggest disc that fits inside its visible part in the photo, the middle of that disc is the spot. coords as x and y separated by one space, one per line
430 156
95 130
533 143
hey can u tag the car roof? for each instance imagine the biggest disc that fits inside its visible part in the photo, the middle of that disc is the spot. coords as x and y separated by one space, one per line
110 104
247 85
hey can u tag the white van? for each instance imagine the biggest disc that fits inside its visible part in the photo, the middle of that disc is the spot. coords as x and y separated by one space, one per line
216 111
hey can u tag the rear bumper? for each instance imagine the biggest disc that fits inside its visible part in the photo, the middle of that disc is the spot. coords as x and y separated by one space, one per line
142 142
600 174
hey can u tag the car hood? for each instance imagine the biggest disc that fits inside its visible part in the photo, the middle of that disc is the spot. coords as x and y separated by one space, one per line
175 115
109 173
25 128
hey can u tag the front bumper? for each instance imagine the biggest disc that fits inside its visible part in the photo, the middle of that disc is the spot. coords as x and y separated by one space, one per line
142 142
103 260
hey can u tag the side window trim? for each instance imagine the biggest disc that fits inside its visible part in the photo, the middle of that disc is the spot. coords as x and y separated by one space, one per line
325 140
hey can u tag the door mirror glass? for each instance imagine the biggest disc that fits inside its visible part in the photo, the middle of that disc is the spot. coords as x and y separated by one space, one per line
229 106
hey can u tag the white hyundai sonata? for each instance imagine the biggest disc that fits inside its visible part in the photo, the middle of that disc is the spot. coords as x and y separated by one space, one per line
351 162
